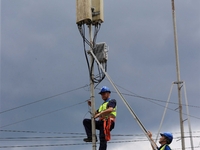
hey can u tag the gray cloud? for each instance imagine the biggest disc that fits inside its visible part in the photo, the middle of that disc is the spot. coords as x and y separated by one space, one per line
42 55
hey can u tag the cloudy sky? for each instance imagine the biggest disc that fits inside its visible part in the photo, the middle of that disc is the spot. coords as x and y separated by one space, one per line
44 75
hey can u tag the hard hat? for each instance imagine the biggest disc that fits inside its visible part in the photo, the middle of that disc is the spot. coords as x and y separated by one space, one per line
104 89
168 135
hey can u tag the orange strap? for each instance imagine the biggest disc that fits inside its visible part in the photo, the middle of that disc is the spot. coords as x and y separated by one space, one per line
106 125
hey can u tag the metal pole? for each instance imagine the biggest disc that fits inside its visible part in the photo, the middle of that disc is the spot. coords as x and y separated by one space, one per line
166 106
178 76
92 94
188 116
125 102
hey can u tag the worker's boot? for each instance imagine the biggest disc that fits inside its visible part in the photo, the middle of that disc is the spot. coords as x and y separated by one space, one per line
89 139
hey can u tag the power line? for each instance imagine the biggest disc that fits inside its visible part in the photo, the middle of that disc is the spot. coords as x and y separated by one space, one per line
146 98
40 132
43 99
41 137
175 110
76 144
75 133
72 137
50 145
42 114
153 99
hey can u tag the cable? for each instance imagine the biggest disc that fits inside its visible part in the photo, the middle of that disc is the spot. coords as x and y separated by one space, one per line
50 145
42 99
73 144
153 99
118 134
98 78
41 115
72 137
175 110
40 138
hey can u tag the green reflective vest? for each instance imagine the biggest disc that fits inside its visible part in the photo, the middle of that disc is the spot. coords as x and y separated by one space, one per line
163 148
104 107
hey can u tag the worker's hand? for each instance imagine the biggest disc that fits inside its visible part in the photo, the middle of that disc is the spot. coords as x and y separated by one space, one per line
89 103
149 134
96 115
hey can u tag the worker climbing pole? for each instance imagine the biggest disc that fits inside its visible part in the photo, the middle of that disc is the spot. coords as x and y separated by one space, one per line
106 115
90 13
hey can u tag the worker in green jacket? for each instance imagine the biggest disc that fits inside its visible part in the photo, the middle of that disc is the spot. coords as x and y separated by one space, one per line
165 139
106 115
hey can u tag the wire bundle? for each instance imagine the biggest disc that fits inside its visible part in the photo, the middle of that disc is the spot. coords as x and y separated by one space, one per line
99 75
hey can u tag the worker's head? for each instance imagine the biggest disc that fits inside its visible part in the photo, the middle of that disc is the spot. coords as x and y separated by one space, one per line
166 138
105 92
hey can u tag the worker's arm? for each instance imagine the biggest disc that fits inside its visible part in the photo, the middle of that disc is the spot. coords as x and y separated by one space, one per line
105 112
89 104
150 136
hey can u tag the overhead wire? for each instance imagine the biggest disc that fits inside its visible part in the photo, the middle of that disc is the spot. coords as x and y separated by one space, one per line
76 136
169 108
76 144
79 136
135 95
42 114
43 99
153 99
75 133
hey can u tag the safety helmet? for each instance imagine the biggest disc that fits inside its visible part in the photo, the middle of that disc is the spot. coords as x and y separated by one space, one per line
104 89
168 135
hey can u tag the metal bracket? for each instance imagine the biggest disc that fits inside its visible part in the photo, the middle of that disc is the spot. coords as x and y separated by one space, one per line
95 13
176 82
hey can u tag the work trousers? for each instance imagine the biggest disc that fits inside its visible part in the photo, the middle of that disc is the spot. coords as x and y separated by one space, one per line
99 126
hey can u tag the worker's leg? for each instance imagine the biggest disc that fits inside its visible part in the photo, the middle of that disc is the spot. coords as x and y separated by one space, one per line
88 128
103 142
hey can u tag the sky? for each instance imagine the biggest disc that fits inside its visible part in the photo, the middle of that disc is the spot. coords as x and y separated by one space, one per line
45 79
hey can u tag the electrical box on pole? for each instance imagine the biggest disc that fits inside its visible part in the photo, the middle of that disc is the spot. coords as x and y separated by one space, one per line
83 11
101 52
97 11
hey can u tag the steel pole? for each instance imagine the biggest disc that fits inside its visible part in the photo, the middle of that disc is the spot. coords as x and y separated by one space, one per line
178 76
188 116
166 106
91 75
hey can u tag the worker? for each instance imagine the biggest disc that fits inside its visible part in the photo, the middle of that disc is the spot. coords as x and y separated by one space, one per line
106 115
165 139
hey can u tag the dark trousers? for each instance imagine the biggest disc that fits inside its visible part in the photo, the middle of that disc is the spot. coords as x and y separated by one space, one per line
99 126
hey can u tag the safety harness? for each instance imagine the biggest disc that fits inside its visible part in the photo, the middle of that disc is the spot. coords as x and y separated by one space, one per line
107 120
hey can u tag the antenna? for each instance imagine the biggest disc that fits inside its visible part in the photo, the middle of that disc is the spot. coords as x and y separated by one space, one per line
180 84
178 75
